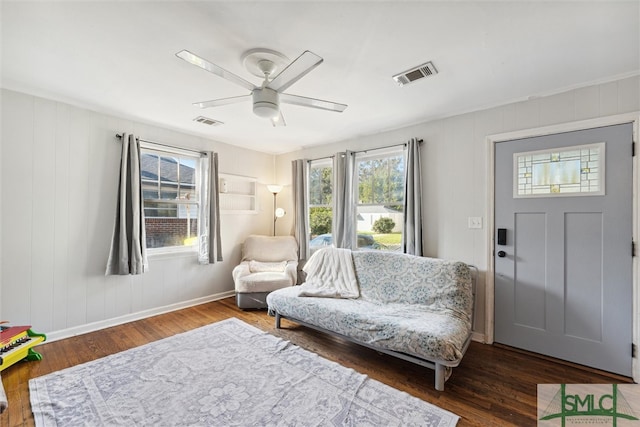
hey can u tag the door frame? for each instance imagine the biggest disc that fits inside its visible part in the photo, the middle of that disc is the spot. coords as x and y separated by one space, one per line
491 141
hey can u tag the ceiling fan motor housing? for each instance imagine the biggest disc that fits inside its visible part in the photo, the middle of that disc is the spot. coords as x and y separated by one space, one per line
265 103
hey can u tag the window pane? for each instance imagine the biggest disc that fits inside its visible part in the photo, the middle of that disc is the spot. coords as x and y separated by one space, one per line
320 224
188 179
320 203
162 210
320 219
320 183
576 171
381 180
149 164
164 232
168 178
380 227
380 201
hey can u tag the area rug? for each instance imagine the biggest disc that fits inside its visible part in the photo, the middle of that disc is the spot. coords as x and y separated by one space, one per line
225 374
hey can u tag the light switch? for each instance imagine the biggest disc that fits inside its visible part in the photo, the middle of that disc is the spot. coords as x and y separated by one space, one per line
475 222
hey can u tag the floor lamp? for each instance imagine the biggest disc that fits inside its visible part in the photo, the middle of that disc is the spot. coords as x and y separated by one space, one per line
277 212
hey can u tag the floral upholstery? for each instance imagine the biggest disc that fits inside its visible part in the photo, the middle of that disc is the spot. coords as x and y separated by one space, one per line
414 305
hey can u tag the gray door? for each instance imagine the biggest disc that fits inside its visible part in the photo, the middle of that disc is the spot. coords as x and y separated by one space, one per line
563 276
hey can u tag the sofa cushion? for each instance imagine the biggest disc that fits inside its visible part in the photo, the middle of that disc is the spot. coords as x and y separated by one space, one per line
263 267
394 278
262 282
415 329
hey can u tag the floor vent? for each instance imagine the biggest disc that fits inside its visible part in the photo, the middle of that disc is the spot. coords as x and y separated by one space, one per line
416 73
207 121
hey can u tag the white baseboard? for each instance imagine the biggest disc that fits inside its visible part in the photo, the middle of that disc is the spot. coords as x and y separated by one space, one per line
478 336
102 324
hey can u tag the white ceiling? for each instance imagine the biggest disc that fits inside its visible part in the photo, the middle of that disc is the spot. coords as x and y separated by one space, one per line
118 57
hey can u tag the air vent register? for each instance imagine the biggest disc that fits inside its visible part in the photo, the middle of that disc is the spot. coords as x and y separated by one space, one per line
416 73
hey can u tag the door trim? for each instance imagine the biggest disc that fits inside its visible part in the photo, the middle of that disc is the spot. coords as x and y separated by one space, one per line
491 141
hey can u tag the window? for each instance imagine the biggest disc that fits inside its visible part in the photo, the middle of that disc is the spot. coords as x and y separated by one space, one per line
380 181
379 188
171 198
320 200
570 171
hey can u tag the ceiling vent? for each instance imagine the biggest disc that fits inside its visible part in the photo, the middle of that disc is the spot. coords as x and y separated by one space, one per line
207 121
416 73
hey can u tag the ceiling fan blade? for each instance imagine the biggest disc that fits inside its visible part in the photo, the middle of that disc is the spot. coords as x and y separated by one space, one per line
222 101
299 68
278 120
213 68
312 102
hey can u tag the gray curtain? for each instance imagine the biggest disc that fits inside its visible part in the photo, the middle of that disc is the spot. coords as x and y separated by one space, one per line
412 228
210 250
344 203
128 253
300 206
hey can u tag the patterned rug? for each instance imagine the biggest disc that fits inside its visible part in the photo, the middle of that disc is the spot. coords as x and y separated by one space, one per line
225 374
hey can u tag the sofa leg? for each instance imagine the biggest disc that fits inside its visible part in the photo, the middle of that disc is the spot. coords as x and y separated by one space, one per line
277 320
441 372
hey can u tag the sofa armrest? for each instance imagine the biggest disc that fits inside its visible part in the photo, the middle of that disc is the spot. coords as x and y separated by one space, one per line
240 270
291 270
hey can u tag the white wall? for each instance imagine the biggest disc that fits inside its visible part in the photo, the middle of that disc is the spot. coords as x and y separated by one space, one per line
59 173
454 163
58 184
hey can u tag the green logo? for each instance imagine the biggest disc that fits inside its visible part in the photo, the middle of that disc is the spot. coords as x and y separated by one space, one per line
587 405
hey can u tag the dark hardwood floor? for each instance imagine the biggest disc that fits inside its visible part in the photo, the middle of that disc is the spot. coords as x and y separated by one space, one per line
492 386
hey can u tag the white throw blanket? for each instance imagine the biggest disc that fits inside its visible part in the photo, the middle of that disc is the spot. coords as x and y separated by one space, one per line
330 274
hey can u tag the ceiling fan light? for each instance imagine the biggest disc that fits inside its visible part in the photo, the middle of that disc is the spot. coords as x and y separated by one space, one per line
265 109
266 103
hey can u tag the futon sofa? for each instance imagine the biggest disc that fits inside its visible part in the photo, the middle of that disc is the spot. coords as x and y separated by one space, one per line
415 308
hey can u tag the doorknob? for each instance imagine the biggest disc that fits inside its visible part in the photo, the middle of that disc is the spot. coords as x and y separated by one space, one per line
502 254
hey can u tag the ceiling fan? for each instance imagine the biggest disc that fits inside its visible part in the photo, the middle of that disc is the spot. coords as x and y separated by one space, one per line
267 97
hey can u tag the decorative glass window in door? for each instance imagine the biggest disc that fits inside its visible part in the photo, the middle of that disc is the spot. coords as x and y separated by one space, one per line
568 171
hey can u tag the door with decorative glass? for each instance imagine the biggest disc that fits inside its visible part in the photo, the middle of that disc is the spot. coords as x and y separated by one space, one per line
563 246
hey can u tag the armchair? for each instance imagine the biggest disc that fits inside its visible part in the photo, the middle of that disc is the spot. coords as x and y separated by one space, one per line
268 263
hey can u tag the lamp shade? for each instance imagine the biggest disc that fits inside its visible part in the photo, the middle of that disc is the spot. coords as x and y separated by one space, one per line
275 189
280 213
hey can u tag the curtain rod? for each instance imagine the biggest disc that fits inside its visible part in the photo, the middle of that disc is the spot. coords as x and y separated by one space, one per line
404 144
119 136
320 158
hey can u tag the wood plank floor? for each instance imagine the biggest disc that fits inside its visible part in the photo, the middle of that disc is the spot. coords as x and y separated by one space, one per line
493 385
